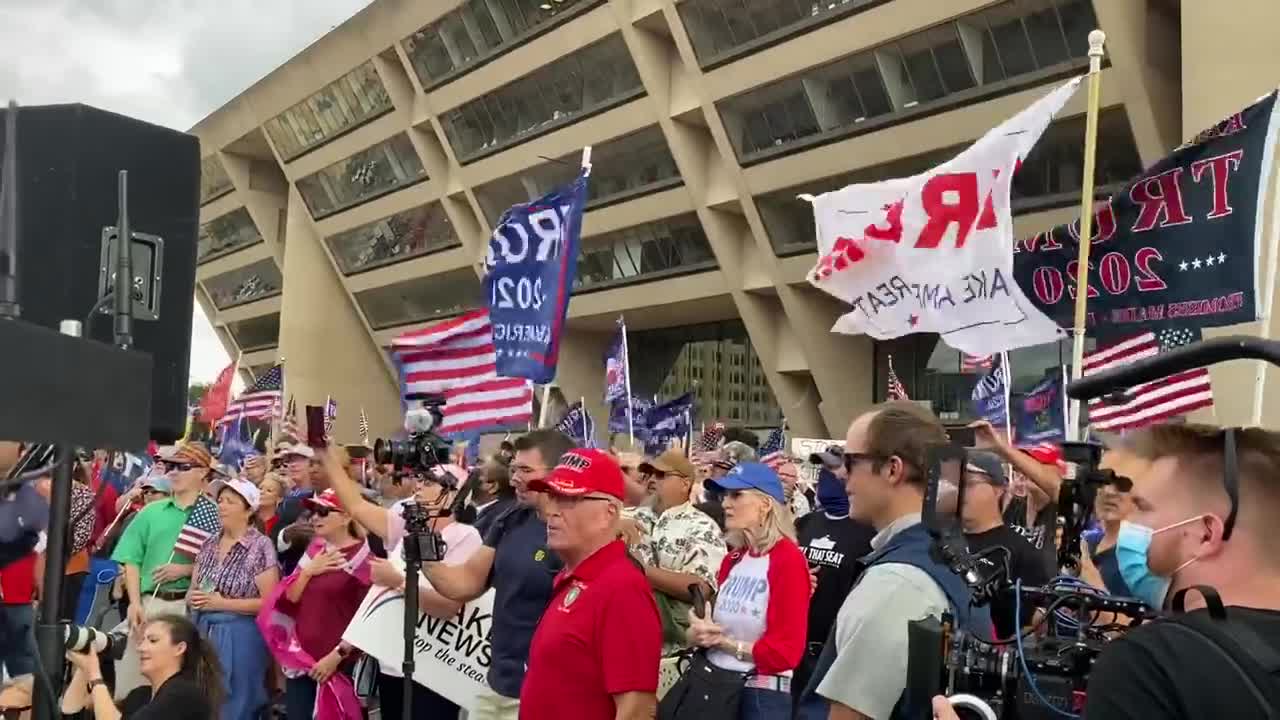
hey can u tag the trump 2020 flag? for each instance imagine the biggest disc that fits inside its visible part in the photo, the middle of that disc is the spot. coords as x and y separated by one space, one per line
530 266
666 422
617 374
1040 414
934 252
578 424
990 395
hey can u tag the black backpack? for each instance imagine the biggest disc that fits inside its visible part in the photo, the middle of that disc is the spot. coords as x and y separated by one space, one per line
1257 663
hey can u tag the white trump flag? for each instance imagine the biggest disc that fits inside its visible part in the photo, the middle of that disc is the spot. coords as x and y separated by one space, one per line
934 252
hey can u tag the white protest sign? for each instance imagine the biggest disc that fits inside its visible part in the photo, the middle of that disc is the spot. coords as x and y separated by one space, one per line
452 656
934 252
802 448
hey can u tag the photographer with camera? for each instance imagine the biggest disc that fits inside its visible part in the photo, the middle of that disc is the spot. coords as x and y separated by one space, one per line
1201 538
518 564
434 490
862 670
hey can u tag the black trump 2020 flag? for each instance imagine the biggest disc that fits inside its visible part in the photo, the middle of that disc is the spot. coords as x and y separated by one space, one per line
1179 245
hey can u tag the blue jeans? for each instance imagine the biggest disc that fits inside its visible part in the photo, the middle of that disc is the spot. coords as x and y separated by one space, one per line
17 639
813 707
760 704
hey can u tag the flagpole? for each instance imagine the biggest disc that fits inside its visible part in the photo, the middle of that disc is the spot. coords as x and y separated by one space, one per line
1264 332
1096 40
582 400
626 368
546 402
1008 396
1065 415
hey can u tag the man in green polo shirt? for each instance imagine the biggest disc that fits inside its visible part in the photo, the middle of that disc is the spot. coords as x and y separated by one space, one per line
155 577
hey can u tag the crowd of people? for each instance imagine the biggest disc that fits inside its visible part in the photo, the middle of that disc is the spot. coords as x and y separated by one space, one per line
624 582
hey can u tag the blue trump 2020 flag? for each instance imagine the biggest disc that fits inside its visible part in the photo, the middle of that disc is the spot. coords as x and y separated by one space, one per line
1040 413
531 264
989 395
578 424
667 422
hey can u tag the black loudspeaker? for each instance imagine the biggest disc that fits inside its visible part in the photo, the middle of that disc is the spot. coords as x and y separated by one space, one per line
69 158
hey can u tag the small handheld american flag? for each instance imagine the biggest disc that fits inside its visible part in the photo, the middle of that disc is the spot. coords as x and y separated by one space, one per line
896 390
202 524
330 415
772 452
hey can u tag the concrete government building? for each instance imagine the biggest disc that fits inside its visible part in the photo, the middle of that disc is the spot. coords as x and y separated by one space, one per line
348 195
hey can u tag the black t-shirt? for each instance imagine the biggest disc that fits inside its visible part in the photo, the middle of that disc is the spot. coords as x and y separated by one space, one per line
1156 671
1042 533
178 697
1025 564
832 545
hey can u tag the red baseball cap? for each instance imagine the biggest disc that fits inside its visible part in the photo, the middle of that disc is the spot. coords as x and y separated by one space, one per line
1047 454
327 499
583 471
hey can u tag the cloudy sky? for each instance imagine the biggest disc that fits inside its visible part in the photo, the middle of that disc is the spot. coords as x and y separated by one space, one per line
170 62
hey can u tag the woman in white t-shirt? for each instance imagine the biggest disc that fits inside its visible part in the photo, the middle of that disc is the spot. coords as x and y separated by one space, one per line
435 490
759 623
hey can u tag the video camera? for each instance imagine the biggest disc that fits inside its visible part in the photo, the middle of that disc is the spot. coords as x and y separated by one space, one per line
1028 676
423 449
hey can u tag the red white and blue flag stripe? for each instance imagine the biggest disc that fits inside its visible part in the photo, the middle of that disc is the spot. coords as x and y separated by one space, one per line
446 354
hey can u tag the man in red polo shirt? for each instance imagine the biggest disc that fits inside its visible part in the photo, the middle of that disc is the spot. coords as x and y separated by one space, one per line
595 653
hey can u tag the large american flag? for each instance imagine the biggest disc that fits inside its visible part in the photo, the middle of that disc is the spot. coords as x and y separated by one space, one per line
974 363
259 401
772 452
446 354
486 404
1152 402
202 524
896 390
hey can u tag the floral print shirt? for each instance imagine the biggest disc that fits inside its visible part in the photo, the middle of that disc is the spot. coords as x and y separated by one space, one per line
234 575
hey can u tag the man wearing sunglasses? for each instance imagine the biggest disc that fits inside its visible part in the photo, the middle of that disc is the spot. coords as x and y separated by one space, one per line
862 669
155 578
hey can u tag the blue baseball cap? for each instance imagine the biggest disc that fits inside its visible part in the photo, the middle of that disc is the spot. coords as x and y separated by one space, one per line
751 476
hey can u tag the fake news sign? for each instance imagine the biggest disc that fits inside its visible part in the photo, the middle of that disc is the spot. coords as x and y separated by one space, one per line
452 655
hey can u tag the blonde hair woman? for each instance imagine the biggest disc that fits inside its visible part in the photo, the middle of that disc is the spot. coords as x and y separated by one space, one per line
759 623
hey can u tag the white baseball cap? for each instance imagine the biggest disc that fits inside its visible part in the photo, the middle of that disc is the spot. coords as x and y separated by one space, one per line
243 488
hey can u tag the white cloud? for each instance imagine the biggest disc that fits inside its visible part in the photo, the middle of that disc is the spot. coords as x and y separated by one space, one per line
169 62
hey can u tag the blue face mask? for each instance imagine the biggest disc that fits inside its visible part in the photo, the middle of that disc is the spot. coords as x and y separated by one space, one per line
1132 546
831 494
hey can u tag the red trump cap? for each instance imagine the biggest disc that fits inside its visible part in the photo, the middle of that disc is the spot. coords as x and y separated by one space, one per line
583 471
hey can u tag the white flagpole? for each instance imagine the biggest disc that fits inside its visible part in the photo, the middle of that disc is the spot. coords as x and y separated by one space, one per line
688 416
1096 40
1008 396
1269 291
546 405
586 431
626 368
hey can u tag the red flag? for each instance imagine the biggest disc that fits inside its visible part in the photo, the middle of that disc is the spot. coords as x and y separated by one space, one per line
214 403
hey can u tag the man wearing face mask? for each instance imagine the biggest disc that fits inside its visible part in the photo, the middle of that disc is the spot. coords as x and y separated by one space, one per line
832 543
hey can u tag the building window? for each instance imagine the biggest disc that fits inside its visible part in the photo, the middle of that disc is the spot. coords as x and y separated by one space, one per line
665 360
724 29
975 56
342 105
257 333
594 78
245 285
392 239
421 299
226 234
622 168
1049 177
370 173
481 30
214 181
642 253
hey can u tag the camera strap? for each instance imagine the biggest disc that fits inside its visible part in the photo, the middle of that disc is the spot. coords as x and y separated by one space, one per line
1257 663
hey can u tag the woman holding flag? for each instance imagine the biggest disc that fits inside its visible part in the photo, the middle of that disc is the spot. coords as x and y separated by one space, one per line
304 618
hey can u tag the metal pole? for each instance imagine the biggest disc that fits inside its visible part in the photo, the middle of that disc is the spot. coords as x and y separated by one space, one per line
1096 40
10 306
626 368
124 268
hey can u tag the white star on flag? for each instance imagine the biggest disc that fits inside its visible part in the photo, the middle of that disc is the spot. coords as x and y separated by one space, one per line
1222 257
1182 265
1196 263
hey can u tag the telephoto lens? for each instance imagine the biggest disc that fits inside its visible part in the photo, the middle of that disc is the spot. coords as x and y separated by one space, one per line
107 644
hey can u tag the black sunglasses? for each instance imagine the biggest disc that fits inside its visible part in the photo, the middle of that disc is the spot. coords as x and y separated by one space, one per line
851 459
660 474
322 512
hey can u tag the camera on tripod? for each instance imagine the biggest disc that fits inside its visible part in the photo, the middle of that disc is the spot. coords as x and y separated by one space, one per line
421 451
107 644
1030 676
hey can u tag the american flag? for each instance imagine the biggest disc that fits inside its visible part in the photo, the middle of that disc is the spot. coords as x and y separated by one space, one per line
202 524
289 422
1151 402
772 452
330 415
896 391
974 363
710 438
259 401
364 426
446 354
487 403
